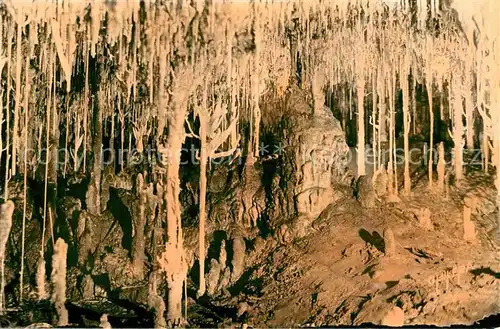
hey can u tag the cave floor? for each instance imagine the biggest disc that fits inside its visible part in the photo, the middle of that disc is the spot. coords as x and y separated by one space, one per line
339 275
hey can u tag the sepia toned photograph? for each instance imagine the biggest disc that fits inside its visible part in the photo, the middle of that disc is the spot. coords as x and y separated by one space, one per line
249 164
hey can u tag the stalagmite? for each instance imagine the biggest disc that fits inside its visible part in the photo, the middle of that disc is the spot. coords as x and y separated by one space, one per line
424 218
17 100
103 322
469 229
40 278
394 317
485 150
389 242
58 280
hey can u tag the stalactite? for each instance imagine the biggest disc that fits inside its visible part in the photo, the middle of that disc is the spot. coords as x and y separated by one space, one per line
64 60
47 155
135 59
17 100
390 168
375 126
7 119
27 91
457 110
53 149
393 132
93 196
86 102
66 138
381 93
404 73
121 118
415 122
360 90
382 135
429 86
469 102
255 77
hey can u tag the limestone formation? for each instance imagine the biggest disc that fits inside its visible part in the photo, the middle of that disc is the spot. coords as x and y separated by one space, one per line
441 168
238 259
380 182
104 322
469 228
218 275
394 318
389 242
212 278
424 218
58 280
318 151
284 235
365 192
40 279
156 302
139 220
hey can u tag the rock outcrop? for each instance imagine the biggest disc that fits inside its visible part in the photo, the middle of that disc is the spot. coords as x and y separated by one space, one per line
319 157
315 153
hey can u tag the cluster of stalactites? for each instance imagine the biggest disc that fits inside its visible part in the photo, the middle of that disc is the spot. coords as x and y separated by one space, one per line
248 41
